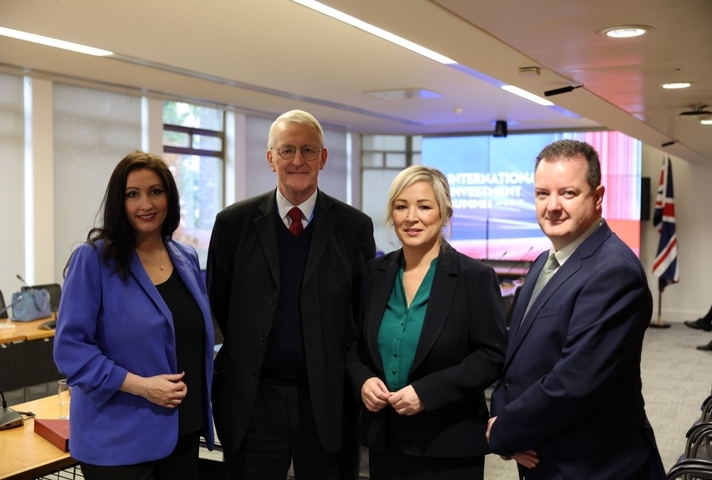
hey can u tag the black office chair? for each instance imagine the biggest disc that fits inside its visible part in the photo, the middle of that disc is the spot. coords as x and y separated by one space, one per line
55 294
699 436
691 468
698 445
2 307
706 409
696 460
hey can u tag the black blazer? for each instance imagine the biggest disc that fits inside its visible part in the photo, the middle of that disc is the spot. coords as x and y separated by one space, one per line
459 354
243 286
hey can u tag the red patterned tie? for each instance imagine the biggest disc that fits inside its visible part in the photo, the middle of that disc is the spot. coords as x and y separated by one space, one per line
296 215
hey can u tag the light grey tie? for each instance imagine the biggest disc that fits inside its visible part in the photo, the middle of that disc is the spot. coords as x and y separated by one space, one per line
546 273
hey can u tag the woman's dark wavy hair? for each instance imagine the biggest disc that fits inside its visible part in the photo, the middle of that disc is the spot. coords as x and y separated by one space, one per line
115 230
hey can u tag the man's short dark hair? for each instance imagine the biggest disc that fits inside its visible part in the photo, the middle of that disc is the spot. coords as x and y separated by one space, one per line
567 149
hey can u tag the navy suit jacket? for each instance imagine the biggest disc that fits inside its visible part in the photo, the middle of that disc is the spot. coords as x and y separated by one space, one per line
459 354
244 287
107 328
571 387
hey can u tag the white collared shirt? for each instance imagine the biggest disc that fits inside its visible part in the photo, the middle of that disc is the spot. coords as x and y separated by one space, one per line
307 208
564 254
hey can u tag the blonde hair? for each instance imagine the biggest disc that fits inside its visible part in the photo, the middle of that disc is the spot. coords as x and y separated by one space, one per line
420 173
296 116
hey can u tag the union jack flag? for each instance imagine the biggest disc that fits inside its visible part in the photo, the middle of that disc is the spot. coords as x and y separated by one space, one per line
665 266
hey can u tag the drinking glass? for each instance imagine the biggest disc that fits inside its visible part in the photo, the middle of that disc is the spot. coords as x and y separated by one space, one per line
64 392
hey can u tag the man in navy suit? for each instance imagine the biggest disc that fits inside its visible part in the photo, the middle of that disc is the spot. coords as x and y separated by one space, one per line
569 402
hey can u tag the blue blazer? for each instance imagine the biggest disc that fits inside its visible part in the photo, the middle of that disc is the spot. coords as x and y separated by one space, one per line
571 387
108 328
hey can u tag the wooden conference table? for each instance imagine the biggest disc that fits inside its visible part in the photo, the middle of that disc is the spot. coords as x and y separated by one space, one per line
24 331
25 454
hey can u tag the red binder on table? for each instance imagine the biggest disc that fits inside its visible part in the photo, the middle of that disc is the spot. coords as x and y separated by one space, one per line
54 431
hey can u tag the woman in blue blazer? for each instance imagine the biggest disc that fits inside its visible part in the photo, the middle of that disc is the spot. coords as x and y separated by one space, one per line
431 339
135 335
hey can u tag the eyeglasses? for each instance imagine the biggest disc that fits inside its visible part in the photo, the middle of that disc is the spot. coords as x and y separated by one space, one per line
309 152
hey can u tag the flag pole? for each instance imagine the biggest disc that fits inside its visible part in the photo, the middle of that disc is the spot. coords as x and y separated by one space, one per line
659 323
665 266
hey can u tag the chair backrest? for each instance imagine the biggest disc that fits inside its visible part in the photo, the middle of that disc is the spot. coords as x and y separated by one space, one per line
55 294
691 468
2 306
707 409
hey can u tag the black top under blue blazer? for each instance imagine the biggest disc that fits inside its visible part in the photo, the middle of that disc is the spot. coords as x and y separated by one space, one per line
459 354
571 386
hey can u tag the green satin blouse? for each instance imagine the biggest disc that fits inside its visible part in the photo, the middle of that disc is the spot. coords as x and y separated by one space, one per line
400 329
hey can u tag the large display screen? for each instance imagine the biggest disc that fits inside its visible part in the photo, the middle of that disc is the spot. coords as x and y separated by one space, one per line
492 188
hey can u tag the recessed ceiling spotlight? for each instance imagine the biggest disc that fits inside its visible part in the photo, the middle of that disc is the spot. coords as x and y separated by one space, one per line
625 31
675 85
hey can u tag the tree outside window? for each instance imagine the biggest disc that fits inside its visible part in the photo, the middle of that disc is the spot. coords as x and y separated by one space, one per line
193 146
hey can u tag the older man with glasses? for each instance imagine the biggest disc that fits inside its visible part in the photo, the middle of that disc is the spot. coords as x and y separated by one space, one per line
284 274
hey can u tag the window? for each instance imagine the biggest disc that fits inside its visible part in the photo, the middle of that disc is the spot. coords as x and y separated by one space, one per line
382 158
194 149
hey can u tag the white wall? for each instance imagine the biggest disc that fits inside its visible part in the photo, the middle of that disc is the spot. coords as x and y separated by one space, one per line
259 177
692 296
12 246
39 187
376 184
333 178
93 131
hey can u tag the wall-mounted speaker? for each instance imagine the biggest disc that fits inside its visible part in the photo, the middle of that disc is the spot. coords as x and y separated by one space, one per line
645 199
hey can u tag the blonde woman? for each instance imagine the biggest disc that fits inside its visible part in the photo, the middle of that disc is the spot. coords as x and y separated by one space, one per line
431 338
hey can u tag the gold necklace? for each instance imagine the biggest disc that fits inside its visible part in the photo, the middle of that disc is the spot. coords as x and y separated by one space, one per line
143 259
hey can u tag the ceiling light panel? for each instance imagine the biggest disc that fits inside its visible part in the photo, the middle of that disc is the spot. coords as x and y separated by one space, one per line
524 94
53 42
675 85
373 30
